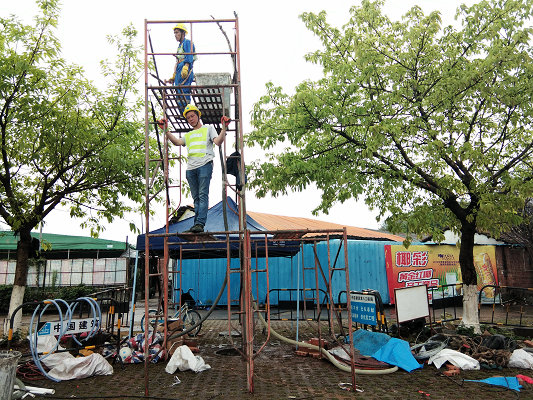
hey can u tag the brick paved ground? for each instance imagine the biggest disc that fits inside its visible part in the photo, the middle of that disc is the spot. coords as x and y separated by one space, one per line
279 374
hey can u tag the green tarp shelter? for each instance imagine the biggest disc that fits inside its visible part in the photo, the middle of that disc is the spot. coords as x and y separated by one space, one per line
54 246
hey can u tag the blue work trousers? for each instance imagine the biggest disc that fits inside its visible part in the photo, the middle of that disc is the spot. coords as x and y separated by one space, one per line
199 180
183 95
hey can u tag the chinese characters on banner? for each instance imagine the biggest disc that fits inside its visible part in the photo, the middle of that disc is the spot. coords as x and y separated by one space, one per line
74 326
438 265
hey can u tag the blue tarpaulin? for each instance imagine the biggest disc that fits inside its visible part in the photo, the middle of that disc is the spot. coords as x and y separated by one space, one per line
397 352
384 348
510 382
215 223
369 342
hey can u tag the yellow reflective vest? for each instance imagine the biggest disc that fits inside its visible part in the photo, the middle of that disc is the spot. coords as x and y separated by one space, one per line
196 142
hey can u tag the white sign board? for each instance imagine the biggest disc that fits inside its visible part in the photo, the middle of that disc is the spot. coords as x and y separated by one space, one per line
363 308
75 326
411 303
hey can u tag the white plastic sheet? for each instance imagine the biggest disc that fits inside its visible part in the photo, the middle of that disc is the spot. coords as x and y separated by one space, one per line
457 358
183 359
521 359
65 366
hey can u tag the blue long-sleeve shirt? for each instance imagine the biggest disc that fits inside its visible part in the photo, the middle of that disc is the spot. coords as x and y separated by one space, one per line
184 47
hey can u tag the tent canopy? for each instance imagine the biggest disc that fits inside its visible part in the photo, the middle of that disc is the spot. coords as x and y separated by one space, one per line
215 223
56 246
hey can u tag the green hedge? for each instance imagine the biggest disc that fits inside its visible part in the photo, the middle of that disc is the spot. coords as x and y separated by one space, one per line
39 294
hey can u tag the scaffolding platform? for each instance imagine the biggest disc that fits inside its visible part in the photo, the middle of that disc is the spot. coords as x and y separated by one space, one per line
209 100
197 237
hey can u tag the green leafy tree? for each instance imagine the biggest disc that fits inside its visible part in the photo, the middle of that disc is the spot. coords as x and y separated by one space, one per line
63 141
431 124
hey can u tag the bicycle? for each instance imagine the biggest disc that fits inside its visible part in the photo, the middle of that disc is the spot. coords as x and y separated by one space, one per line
188 316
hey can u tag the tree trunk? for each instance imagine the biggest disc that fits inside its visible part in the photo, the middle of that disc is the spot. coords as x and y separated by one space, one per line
468 270
24 247
470 307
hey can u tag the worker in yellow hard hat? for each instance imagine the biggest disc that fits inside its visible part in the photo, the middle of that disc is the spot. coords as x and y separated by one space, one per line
183 70
200 142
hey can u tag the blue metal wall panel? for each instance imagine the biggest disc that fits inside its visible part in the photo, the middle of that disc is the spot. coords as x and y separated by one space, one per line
367 266
366 261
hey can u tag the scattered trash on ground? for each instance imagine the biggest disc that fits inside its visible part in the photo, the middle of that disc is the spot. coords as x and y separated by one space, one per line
233 333
454 357
521 359
176 381
135 354
184 359
348 386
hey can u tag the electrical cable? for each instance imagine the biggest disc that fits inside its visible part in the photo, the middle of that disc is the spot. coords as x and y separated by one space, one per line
426 350
29 371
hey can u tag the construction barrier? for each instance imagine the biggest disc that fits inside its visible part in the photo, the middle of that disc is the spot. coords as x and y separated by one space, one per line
447 299
80 319
510 306
115 305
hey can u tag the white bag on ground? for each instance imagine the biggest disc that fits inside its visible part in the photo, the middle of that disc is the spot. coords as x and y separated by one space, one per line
457 358
183 359
521 359
65 366
81 367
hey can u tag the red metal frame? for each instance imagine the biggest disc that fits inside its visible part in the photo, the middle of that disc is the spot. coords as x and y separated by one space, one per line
166 100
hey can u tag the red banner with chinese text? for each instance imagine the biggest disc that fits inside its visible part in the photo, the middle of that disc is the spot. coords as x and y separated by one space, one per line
437 265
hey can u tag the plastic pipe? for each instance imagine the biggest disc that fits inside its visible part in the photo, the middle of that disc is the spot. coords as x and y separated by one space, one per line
326 353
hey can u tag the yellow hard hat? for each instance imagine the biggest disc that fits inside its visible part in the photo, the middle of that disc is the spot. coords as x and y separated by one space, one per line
182 27
191 107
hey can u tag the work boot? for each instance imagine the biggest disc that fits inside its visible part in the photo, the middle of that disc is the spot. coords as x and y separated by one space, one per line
198 228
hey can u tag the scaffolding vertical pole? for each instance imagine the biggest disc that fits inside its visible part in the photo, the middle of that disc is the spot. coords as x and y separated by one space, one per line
244 233
300 245
147 203
329 284
318 308
248 313
228 286
349 308
164 269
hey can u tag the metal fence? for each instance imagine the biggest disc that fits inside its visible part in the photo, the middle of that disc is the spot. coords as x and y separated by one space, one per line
511 306
290 304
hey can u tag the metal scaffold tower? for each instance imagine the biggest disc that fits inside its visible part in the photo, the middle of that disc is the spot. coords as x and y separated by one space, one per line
216 92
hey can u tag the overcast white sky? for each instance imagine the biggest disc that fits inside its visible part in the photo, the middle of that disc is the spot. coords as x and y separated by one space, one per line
273 43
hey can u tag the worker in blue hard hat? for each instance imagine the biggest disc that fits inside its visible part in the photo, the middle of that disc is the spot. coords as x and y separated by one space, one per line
200 142
183 70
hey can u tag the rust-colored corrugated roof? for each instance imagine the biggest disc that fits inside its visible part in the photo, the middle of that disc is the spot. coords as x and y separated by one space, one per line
278 222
